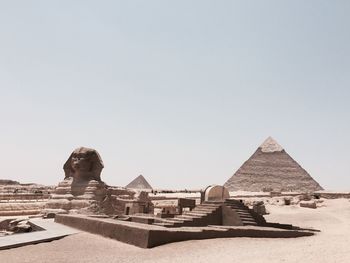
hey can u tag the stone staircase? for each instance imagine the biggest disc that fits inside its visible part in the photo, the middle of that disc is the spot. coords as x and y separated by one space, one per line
202 215
210 213
248 216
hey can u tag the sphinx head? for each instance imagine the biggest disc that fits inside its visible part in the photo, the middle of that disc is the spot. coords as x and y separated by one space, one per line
84 164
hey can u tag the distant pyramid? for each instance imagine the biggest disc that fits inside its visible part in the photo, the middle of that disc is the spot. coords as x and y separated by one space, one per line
139 183
271 168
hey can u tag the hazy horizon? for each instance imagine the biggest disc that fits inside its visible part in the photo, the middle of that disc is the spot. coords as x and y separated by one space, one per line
181 92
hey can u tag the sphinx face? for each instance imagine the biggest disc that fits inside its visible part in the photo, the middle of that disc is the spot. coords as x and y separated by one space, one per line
81 162
84 164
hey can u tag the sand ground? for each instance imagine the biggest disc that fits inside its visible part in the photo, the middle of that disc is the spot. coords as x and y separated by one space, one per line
330 245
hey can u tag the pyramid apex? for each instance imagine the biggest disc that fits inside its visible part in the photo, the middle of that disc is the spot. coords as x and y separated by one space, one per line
271 145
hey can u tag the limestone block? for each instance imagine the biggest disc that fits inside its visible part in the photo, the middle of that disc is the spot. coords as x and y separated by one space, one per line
308 204
259 208
62 196
77 204
305 197
58 204
47 211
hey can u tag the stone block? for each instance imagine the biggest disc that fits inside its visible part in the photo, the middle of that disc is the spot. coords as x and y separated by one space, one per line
308 204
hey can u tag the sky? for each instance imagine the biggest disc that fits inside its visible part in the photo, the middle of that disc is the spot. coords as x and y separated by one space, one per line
182 92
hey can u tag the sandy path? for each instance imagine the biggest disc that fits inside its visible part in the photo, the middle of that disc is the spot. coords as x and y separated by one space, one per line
331 245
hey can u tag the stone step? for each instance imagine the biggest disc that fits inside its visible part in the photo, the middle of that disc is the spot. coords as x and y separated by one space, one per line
201 212
163 224
237 206
180 224
188 217
233 200
241 208
210 205
250 224
248 220
173 222
176 220
205 209
207 205
243 213
235 203
197 214
197 217
246 216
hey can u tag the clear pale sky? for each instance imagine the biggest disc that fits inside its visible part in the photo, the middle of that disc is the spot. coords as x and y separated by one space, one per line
182 92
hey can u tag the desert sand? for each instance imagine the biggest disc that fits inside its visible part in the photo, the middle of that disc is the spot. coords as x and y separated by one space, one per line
332 244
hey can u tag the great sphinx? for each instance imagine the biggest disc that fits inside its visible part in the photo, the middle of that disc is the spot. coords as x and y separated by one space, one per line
83 191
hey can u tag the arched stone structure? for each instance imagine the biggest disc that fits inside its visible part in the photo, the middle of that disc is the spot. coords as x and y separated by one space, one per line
217 193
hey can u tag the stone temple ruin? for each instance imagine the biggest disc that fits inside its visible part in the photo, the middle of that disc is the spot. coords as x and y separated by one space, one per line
217 216
83 201
18 199
216 208
269 169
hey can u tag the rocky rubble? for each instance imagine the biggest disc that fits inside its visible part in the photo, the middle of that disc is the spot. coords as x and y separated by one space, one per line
303 200
9 227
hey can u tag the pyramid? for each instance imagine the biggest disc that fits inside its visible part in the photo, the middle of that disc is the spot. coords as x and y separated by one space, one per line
139 183
271 168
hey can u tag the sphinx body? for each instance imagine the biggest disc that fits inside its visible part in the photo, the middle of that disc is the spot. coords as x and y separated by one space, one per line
83 191
82 188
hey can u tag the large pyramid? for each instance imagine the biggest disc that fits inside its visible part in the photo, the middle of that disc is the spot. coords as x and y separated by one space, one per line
139 183
271 168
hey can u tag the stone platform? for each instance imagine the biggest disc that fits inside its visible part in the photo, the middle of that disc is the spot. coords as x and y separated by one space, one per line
148 236
51 231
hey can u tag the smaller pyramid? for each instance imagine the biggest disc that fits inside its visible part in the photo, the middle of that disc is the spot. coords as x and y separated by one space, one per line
139 183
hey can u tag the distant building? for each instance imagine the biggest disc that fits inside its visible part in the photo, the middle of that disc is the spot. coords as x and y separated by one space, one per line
271 168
